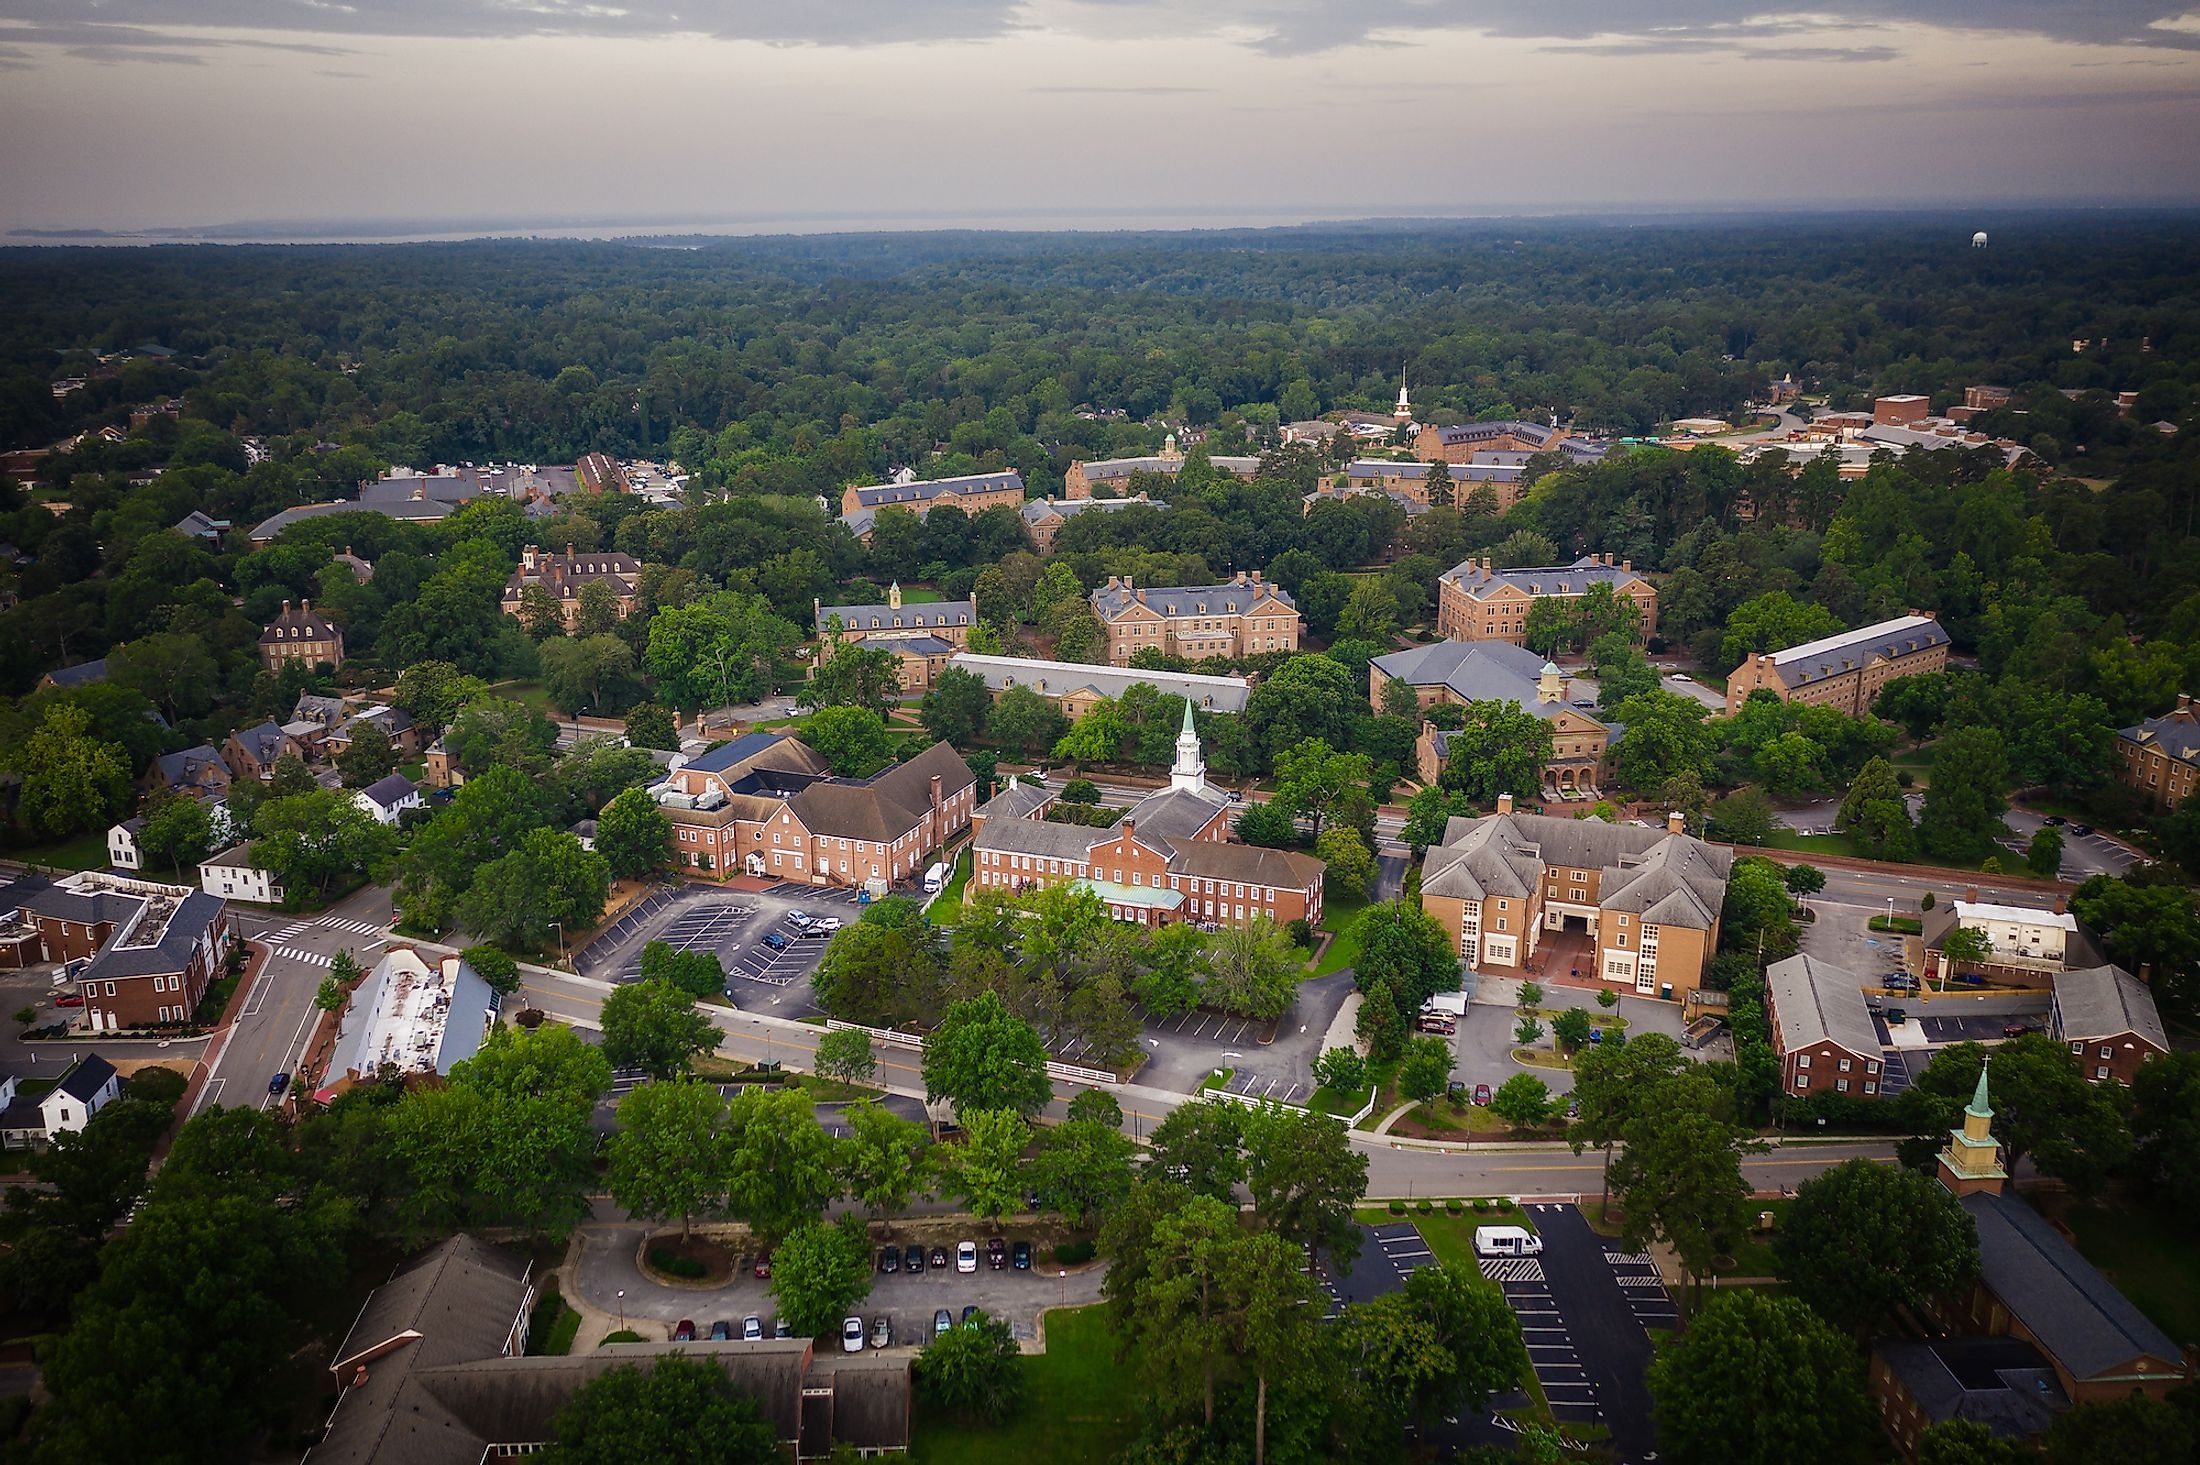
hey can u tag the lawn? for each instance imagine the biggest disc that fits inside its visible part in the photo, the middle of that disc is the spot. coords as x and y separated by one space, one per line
1342 916
1905 925
2150 1257
1753 1254
1080 1405
1344 1105
89 852
951 896
1814 844
920 595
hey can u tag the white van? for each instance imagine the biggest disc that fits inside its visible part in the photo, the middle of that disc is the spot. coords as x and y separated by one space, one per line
1506 1241
935 877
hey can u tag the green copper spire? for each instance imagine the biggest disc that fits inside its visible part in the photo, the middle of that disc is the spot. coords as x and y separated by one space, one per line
1978 1104
1187 714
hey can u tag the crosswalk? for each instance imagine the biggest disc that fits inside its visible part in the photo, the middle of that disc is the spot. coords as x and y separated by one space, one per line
309 958
361 928
290 932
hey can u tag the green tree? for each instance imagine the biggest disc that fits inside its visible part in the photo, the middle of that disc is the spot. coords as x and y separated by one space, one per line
1744 816
780 1168
2044 1109
330 996
369 756
1096 737
1679 1178
632 834
982 1056
1864 1242
649 725
819 1272
851 674
1424 1068
1522 1100
1572 1028
957 708
1023 721
1348 866
1251 970
1966 1442
2043 855
875 974
663 1154
717 650
2165 1126
883 1161
1312 776
1773 621
1305 1178
1668 736
72 781
678 1411
1082 1169
1342 1069
1500 749
179 832
1268 824
1202 1147
975 1370
1754 1373
2133 1430
494 967
1965 801
986 1169
1527 1031
549 882
845 1054
655 1027
319 842
852 739
1757 913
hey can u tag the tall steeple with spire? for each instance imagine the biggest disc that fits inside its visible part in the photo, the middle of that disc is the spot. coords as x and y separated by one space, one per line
1190 772
1403 412
1972 1160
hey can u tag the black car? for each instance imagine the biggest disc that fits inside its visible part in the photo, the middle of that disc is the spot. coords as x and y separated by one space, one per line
942 1321
2081 829
970 1312
889 1259
1021 1251
913 1261
939 1257
2057 820
278 1083
996 1253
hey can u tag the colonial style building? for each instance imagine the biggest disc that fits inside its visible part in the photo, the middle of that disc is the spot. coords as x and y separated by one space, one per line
1459 444
923 638
1497 671
1110 477
562 577
1822 1033
153 948
973 494
1167 860
1647 900
1477 602
251 752
1844 671
303 636
1044 518
2160 757
1246 615
1502 472
237 874
766 804
194 773
2108 1019
1074 686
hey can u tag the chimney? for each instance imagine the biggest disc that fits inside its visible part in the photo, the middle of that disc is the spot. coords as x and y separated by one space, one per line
569 551
1504 803
1256 577
286 610
1971 895
1675 823
1130 584
1129 826
1627 565
305 610
2060 902
935 790
2184 702
2146 973
1141 597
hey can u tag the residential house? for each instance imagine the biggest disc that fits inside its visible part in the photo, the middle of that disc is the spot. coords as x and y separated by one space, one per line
1075 686
1238 618
2108 1019
2160 758
361 570
563 577
1844 671
1477 602
195 773
1167 860
413 1014
83 674
252 752
386 799
1646 900
123 850
1498 671
441 770
972 494
302 636
1112 477
150 950
765 804
87 1086
236 874
435 1371
1822 1034
396 725
1044 518
197 525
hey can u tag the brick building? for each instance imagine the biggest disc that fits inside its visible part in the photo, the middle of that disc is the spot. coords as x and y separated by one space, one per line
1243 616
1647 900
562 578
766 804
1460 443
153 948
1111 477
2160 757
1044 518
1075 686
1497 671
194 773
1503 472
1822 1033
2108 1020
1845 671
303 636
1167 860
949 620
1904 410
973 494
251 752
1477 602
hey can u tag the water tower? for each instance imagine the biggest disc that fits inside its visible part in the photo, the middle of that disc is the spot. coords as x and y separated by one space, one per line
1978 240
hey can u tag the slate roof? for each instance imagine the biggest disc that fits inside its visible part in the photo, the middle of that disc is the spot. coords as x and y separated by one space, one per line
1236 597
932 615
926 645
1816 1001
1666 879
264 743
1460 473
328 711
1034 836
887 805
415 510
2005 1384
199 526
926 490
2104 1001
1480 671
1476 432
389 792
1814 661
776 750
1038 511
83 674
1573 579
1101 470
1209 859
1173 814
2176 733
85 1078
187 927
2076 1315
1019 800
299 623
1061 678
183 767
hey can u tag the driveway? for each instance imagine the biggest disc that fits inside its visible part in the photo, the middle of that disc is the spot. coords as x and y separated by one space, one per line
607 1267
732 924
1181 1052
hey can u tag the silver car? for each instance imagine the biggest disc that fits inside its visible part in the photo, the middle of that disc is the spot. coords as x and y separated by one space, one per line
851 1335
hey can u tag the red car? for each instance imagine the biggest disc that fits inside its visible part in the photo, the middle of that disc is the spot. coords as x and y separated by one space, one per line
685 1332
1482 1094
763 1267
73 999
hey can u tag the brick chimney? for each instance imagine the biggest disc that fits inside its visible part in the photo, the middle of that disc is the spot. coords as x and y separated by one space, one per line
1971 895
1256 577
2184 702
2061 903
1627 565
1141 596
1675 823
1504 803
935 790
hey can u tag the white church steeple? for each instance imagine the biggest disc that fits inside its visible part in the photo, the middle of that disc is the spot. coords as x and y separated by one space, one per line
1403 412
1190 772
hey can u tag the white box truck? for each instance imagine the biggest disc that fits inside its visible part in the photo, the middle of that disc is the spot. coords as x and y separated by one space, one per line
1506 1241
936 877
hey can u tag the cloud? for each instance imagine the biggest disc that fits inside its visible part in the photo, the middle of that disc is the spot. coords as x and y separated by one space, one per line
1284 27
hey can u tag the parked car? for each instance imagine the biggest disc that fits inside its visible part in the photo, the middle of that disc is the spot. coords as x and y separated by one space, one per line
996 1254
966 1257
1456 1091
2081 830
685 1331
278 1083
1021 1254
913 1261
826 924
752 1328
1596 1035
969 1313
2057 820
1435 1022
939 1257
889 1260
780 1328
763 1267
851 1335
721 1331
1482 1094
1237 796
1896 1017
882 1331
73 999
942 1321
2015 1029
775 941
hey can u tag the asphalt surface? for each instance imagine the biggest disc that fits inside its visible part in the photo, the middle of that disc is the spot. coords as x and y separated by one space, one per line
1602 1325
733 925
1484 1043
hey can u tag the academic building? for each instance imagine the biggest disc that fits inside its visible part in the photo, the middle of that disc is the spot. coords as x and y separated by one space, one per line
1477 602
1497 671
561 577
1246 615
2159 758
302 635
973 494
1844 671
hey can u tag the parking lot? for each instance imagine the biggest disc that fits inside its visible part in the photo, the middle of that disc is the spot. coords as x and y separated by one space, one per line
1269 1061
1589 1311
768 958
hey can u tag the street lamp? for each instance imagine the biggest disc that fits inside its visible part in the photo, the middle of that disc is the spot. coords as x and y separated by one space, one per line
758 1023
622 1309
561 938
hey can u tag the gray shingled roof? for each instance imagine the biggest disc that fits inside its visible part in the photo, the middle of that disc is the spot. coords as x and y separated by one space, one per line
177 767
1669 879
187 927
1033 836
1816 1001
1059 678
1475 432
2005 1384
931 615
83 674
1103 469
388 792
85 1078
2176 733
1573 579
1038 511
1814 661
885 806
2076 1315
1237 597
1480 671
2104 1001
1209 859
909 494
1019 800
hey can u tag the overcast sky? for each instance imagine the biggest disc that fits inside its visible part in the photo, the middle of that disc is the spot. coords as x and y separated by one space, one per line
1085 112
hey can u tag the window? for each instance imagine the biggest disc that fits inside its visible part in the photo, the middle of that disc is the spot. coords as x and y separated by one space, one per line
1841 1085
1844 1065
1802 1060
2106 1050
1802 1080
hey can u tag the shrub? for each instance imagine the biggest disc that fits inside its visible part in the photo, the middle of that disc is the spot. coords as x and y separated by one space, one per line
1504 1205
1397 1208
1452 1207
1074 1253
1481 1205
1299 932
623 1335
1424 1208
1925 901
676 1266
